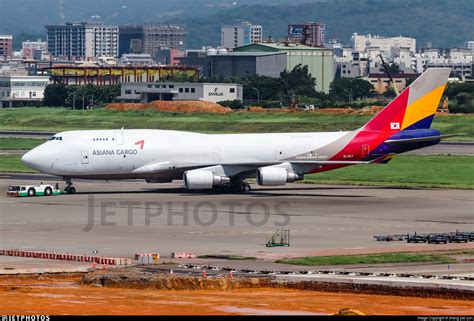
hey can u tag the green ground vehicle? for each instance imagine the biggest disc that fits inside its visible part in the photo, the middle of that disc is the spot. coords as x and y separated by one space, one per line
33 190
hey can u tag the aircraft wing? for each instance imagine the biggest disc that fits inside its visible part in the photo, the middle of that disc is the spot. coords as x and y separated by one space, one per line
238 166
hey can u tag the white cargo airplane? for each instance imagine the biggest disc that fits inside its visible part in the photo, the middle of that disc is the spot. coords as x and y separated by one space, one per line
206 161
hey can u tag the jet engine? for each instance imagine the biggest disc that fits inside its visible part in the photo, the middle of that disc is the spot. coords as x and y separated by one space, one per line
203 180
276 176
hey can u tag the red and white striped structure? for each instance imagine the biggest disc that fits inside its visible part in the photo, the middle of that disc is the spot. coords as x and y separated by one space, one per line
183 255
67 257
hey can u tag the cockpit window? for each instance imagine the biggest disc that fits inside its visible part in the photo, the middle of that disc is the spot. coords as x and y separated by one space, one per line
55 138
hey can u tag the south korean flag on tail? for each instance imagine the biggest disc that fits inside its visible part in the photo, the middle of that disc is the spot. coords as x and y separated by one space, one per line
395 126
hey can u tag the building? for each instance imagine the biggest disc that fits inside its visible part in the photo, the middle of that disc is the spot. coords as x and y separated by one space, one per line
243 64
147 92
130 39
21 90
320 61
460 60
470 46
160 36
362 43
198 59
311 33
381 82
167 56
82 41
34 49
136 59
6 47
151 38
112 75
240 35
102 41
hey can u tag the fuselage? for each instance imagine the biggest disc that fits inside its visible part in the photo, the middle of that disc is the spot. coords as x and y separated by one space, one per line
121 154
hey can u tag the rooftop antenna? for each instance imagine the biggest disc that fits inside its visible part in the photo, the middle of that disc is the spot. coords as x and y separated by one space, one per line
389 76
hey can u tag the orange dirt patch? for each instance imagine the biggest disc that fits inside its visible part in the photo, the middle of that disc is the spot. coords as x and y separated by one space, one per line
174 106
63 295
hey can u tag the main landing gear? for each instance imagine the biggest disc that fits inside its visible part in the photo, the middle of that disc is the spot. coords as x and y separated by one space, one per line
234 187
241 187
69 189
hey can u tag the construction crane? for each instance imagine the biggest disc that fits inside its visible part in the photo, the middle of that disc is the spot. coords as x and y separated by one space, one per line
395 89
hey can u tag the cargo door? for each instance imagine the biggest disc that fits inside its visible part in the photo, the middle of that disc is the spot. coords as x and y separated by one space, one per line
85 157
119 137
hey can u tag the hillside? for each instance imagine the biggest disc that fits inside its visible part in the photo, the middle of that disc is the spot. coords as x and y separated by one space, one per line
446 23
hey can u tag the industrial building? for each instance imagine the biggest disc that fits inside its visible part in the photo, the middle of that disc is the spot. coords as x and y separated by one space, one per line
244 64
311 33
22 90
240 35
320 61
6 46
81 41
147 92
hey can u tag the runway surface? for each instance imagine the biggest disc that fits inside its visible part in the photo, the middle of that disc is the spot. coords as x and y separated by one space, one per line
122 218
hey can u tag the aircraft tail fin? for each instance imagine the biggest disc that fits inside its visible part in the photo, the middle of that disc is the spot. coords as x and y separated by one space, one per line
415 107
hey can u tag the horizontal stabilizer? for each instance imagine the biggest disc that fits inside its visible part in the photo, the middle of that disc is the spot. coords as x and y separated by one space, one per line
419 139
314 162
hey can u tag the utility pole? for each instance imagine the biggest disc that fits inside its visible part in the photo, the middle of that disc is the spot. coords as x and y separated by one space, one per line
74 100
258 94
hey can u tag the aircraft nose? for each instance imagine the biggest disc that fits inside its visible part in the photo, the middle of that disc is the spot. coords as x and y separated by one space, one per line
31 159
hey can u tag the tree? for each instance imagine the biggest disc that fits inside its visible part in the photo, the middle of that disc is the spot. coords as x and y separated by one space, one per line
233 104
346 89
91 95
262 87
454 88
55 95
297 82
392 68
361 88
